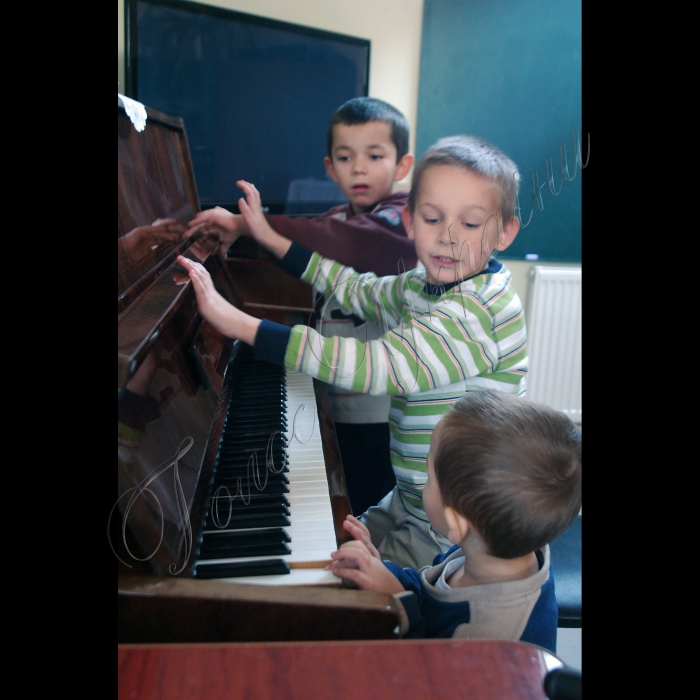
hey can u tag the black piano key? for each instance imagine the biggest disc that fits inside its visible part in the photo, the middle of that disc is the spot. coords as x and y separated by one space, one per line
246 446
244 452
250 521
267 567
242 518
221 515
247 480
245 489
229 550
239 445
260 520
256 431
260 413
252 498
224 507
253 425
239 538
236 470
256 394
217 518
243 457
264 535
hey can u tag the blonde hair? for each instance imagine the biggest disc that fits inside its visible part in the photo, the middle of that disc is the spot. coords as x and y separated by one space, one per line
476 155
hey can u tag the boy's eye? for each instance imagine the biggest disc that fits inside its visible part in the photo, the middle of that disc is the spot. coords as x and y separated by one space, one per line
470 226
376 156
343 159
431 221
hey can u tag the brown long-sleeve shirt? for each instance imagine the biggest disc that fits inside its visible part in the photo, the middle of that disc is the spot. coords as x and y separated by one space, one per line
374 241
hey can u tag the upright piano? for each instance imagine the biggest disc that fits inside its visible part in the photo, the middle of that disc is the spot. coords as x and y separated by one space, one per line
231 493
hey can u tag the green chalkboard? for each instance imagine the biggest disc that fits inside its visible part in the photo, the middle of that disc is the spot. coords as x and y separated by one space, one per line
509 71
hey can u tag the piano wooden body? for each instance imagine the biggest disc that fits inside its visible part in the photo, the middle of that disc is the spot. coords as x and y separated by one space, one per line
180 416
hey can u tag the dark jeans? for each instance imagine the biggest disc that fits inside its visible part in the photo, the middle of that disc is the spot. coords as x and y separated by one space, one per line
364 450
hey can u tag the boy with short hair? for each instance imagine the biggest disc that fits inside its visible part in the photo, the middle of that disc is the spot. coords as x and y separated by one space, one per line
504 480
453 325
367 145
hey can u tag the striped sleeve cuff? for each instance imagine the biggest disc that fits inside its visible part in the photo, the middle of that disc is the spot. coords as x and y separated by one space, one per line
296 260
271 342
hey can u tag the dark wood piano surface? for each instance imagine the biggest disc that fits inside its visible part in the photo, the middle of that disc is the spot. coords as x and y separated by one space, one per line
174 372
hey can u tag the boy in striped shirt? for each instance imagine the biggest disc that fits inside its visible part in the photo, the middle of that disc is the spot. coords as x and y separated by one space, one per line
451 326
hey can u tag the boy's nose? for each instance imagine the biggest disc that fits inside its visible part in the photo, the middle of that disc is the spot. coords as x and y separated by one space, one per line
445 235
359 166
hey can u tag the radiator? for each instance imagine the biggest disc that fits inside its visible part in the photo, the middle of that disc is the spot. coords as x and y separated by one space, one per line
553 320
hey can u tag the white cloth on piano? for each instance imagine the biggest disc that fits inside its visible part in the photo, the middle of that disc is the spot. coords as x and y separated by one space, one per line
134 110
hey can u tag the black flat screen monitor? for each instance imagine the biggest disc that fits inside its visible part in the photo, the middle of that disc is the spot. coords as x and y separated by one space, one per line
255 94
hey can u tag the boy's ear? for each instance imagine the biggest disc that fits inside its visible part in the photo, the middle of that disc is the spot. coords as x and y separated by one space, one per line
458 526
330 169
407 219
403 167
508 234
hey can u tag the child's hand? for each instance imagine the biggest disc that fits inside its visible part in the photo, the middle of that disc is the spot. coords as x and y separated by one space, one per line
251 210
171 225
260 229
356 563
162 232
221 222
225 317
360 532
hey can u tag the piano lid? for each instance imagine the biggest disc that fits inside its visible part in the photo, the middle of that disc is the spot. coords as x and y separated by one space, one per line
171 364
157 194
157 198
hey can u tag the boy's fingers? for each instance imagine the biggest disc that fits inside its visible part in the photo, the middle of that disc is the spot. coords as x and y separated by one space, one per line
359 534
249 188
358 523
195 226
354 525
350 574
356 576
344 563
358 552
194 268
204 218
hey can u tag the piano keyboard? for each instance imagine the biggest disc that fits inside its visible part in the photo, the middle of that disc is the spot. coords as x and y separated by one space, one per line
292 514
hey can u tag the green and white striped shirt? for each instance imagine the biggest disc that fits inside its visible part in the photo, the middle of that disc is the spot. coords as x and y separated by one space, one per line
436 344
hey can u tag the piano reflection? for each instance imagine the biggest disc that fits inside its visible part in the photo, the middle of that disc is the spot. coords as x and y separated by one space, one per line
229 474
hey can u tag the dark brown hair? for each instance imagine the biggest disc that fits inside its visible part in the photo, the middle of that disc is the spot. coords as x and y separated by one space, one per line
512 467
360 110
